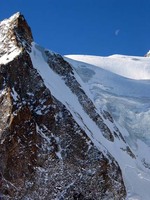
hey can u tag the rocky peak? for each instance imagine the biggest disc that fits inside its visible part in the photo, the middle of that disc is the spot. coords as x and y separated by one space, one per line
15 34
147 54
22 31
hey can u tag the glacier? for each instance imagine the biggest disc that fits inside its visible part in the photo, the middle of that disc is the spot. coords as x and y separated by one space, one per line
120 84
123 91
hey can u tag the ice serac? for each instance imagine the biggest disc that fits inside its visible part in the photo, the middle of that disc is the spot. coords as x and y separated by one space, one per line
54 142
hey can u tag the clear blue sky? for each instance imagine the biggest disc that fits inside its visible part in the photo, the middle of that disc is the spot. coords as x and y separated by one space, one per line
95 27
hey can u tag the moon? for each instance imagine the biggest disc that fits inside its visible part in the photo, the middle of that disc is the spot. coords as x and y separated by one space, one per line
117 32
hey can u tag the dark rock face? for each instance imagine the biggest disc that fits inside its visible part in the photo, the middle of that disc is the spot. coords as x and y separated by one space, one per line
22 32
44 153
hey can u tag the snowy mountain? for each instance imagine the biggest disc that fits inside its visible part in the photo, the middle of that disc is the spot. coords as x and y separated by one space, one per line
71 127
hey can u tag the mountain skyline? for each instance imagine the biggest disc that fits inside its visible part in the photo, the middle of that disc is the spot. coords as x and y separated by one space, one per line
86 27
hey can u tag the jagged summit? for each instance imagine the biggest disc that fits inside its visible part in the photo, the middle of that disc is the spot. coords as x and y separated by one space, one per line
15 34
18 23
13 17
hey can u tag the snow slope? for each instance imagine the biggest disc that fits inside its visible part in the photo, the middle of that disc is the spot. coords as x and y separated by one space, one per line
95 83
120 85
126 66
